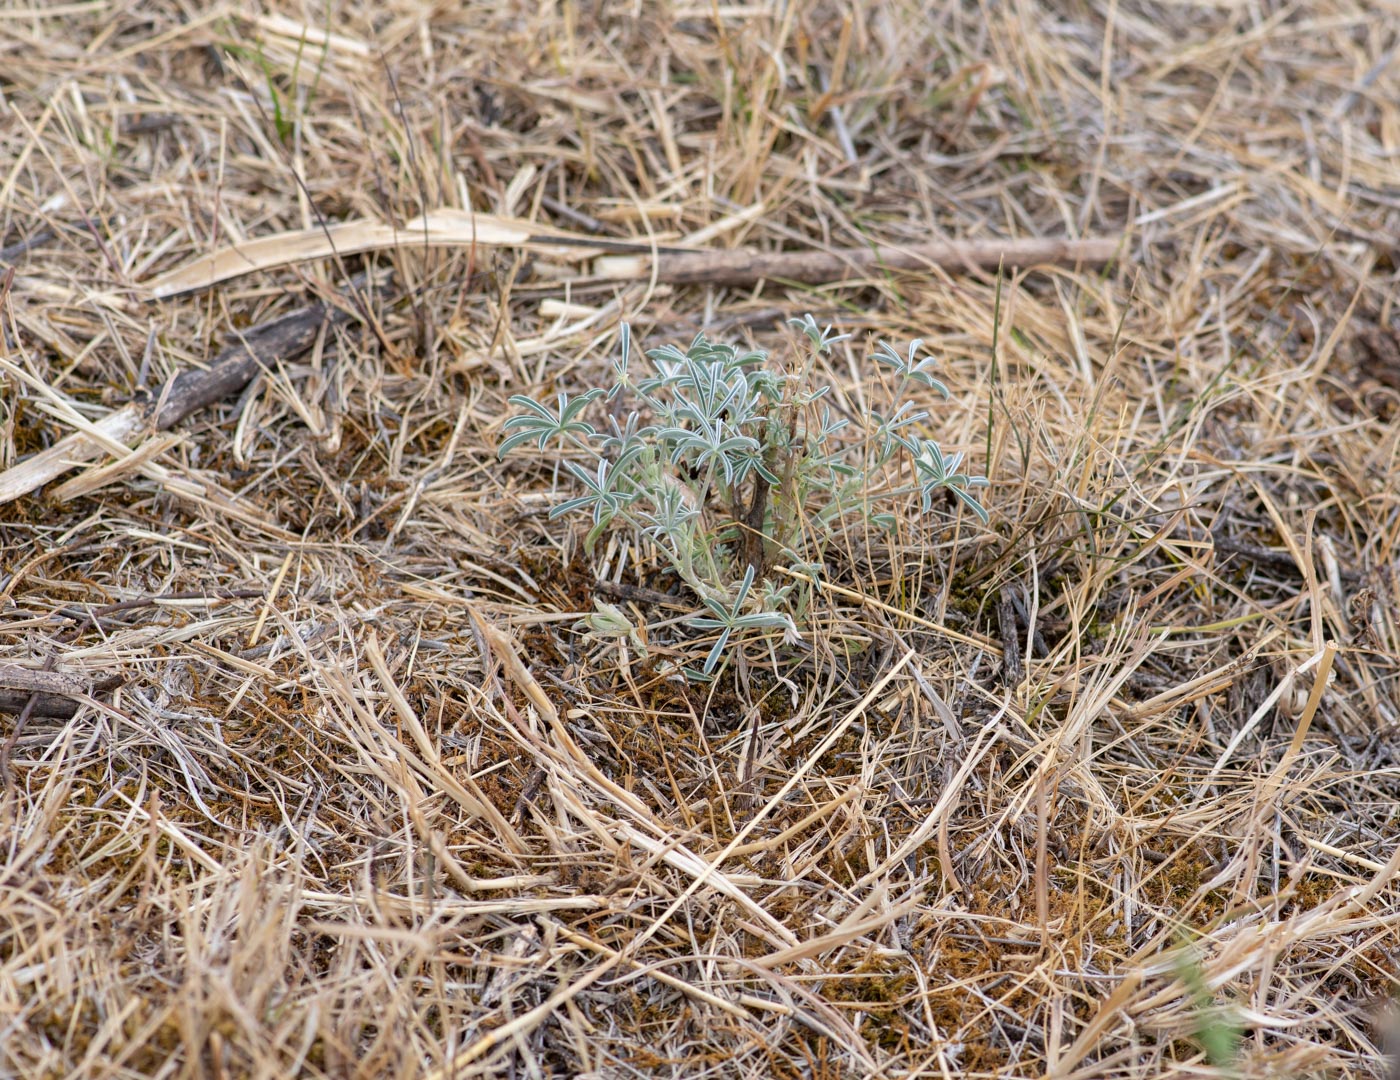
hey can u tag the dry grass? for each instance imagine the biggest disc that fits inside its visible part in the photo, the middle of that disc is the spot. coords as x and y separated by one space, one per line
365 804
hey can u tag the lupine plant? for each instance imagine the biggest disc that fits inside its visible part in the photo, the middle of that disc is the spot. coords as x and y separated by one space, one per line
725 466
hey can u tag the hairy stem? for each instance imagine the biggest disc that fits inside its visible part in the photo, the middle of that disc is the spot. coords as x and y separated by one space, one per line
752 521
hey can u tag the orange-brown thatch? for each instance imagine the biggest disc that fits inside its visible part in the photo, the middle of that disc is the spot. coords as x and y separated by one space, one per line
309 762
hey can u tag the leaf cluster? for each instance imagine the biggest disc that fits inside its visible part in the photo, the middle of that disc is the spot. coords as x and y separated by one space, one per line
725 465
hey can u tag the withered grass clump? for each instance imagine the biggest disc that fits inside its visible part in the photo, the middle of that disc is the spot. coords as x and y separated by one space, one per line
1104 788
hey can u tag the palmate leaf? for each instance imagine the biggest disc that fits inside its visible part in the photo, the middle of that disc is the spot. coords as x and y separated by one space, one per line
629 443
938 470
669 364
620 365
673 514
728 620
829 426
717 392
602 498
710 444
888 430
906 367
541 425
822 340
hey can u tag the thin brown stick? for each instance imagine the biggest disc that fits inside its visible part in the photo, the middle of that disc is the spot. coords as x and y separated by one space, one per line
188 392
741 267
289 336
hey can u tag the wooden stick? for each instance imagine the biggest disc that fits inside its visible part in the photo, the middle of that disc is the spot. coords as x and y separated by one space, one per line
52 691
744 267
188 392
289 336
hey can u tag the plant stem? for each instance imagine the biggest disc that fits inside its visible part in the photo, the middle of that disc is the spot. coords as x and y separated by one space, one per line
752 522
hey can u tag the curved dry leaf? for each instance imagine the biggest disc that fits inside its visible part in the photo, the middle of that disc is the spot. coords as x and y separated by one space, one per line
444 227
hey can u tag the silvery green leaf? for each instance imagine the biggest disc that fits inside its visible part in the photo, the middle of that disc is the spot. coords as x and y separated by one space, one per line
762 620
821 340
768 384
541 424
667 354
938 470
620 364
601 498
906 367
744 588
715 652
972 502
894 431
608 620
671 516
829 427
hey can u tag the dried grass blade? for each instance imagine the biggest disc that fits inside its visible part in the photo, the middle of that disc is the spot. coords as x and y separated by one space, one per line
473 802
449 227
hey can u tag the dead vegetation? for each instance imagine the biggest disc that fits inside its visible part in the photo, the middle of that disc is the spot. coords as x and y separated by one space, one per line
1034 800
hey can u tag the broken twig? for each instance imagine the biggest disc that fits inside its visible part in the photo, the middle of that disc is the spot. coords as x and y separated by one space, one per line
188 392
52 692
743 267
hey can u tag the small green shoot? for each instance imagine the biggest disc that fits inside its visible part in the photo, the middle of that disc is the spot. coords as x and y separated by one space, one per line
1217 1028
